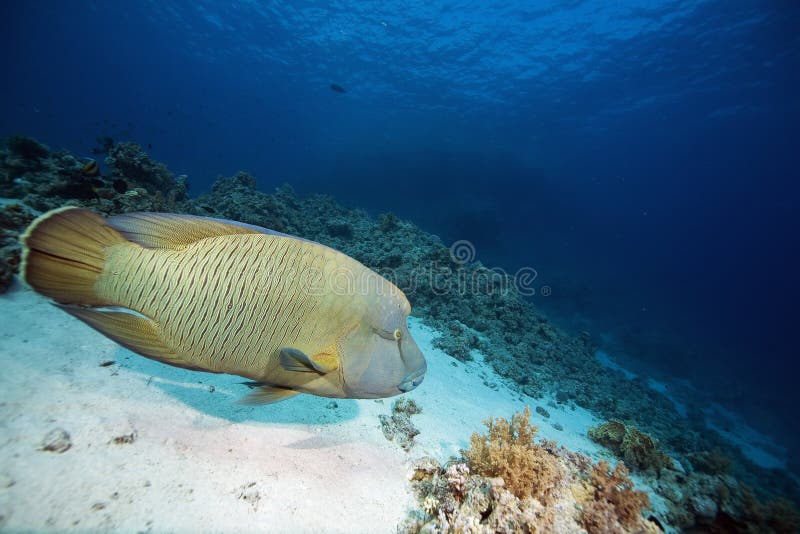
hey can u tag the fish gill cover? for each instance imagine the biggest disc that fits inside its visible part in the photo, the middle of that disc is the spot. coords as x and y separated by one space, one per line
635 161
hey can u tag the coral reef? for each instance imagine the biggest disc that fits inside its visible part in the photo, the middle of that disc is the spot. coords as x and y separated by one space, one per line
44 179
707 498
454 500
459 341
636 448
473 307
237 198
27 149
129 162
14 217
713 462
398 427
612 505
703 502
508 451
508 483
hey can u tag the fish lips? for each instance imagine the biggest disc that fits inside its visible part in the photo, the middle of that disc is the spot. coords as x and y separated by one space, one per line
413 380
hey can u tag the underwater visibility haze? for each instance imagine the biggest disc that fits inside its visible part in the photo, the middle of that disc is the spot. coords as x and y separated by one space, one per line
622 178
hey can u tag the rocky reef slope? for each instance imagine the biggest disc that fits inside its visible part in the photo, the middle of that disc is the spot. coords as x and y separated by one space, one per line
709 485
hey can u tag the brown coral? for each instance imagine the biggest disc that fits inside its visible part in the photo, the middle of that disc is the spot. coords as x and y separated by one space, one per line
614 506
776 515
455 500
636 448
508 451
713 462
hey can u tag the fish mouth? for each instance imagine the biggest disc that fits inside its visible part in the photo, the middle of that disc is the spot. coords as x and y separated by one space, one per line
412 381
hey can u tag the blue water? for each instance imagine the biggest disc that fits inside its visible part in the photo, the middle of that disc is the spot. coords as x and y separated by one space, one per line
642 156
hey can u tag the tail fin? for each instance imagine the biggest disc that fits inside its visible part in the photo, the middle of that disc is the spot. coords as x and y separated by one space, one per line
64 251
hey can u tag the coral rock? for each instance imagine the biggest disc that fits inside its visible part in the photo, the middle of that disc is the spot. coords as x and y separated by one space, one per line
398 427
508 451
614 506
630 444
57 440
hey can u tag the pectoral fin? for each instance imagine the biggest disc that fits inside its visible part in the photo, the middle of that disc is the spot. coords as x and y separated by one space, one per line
266 394
134 332
297 360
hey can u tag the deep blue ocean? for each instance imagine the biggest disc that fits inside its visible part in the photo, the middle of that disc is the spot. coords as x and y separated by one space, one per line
642 156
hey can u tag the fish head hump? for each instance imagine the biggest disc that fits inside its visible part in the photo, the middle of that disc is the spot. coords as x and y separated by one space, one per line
379 357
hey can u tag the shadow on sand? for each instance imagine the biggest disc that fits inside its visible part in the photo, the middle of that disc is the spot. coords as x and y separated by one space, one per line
220 395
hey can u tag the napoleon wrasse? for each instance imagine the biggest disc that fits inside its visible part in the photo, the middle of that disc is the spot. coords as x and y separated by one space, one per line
219 296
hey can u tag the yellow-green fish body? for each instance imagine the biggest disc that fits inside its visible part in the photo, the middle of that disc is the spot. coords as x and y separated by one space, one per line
290 314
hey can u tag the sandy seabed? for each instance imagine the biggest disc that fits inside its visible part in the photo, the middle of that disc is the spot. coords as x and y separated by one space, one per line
161 449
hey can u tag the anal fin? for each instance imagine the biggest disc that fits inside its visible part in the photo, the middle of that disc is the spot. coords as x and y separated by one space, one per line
133 332
267 394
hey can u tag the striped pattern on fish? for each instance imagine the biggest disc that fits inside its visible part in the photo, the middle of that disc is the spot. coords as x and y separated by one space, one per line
290 314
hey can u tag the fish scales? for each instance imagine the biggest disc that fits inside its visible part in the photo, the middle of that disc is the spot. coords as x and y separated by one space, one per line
229 319
266 279
236 338
237 315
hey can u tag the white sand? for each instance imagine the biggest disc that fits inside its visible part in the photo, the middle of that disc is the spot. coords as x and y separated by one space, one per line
758 447
202 462
457 397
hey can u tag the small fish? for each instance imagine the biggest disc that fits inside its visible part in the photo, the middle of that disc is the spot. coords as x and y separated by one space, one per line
291 315
336 88
90 168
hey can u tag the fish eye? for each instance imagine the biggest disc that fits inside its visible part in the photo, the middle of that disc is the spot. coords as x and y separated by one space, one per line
385 334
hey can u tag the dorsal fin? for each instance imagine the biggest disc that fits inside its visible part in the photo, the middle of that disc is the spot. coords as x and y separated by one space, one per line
172 230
